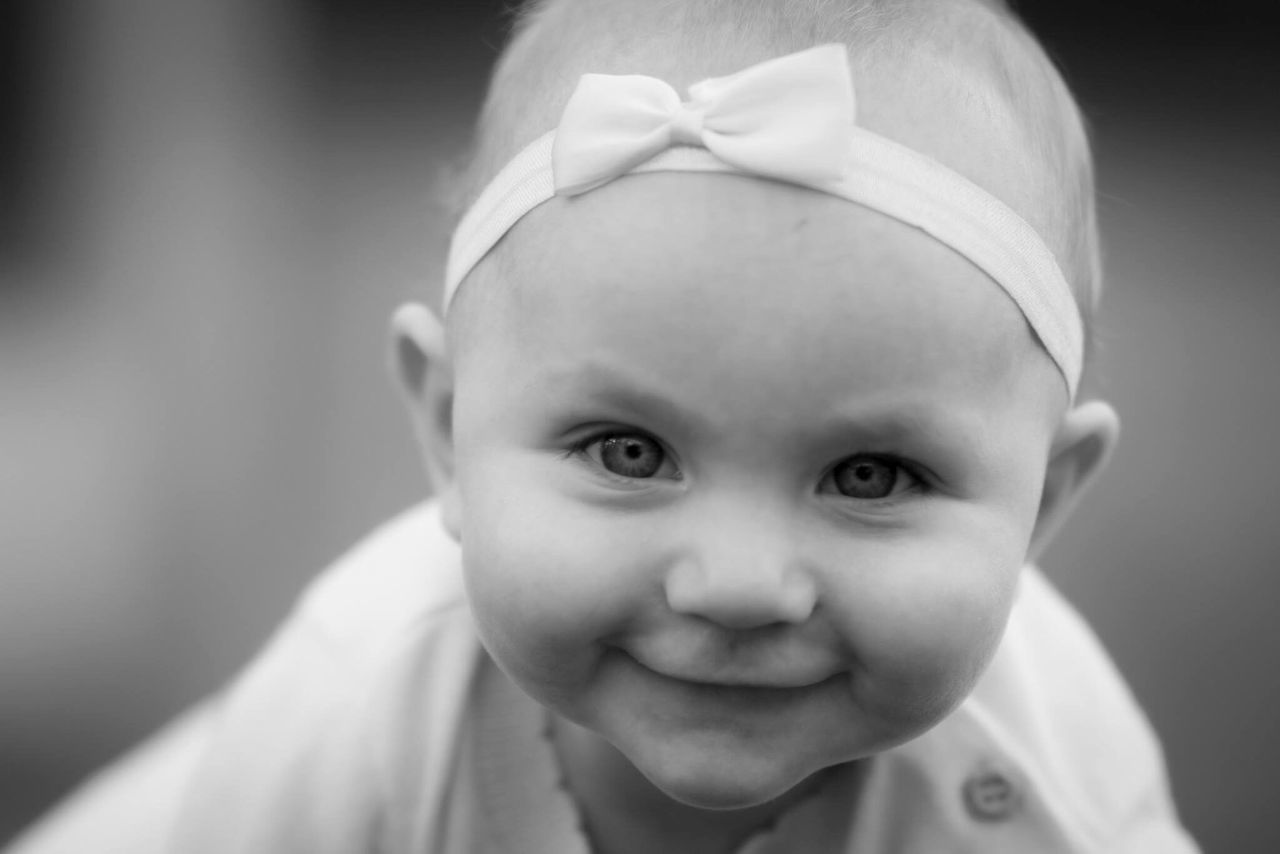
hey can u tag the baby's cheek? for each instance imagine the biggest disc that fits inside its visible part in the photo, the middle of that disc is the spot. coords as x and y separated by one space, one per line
545 585
929 628
520 583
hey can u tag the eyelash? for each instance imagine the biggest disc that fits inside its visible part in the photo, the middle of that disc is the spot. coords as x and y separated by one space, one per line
579 448
918 484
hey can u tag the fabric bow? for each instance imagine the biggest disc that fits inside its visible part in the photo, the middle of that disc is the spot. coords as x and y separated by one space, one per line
789 118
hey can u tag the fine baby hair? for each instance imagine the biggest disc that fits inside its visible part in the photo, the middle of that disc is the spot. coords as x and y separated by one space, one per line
754 391
790 119
927 51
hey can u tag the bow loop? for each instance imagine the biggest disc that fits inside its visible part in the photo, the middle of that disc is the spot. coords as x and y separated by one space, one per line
788 118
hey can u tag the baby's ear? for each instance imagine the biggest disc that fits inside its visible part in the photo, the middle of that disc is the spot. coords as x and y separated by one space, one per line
1083 444
420 361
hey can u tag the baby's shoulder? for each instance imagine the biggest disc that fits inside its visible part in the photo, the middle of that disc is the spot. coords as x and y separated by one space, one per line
401 578
1051 666
1058 709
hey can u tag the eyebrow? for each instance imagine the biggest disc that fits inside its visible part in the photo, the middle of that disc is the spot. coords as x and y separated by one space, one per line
917 420
902 419
940 438
629 393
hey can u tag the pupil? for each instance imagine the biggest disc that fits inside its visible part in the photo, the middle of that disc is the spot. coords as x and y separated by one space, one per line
631 456
866 478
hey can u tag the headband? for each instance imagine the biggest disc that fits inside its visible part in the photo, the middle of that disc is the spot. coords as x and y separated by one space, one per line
789 119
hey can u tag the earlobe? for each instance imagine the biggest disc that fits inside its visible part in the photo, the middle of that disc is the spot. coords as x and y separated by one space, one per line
421 364
1080 451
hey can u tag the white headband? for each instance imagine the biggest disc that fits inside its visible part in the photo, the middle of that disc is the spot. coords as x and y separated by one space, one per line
790 119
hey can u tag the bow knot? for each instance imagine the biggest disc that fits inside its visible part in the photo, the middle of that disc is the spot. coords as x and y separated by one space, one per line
788 118
686 124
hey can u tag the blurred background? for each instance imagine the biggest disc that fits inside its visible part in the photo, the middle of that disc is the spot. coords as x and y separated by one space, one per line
208 209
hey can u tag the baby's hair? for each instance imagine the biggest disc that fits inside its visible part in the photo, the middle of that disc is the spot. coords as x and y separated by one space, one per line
553 42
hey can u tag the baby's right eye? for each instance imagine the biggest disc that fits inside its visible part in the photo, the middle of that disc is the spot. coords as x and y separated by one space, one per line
630 455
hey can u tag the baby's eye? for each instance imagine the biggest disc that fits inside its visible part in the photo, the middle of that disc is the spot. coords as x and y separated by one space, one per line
631 455
868 477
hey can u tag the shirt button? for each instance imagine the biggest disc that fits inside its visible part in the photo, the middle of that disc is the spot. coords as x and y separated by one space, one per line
990 795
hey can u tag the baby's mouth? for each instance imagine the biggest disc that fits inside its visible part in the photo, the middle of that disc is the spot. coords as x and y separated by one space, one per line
729 700
746 676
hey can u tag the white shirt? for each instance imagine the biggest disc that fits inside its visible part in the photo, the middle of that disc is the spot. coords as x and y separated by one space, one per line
356 730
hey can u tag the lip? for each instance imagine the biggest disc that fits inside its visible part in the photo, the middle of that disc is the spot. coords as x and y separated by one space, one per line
747 681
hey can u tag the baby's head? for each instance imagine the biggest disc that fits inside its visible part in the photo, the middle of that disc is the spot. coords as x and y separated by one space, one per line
744 472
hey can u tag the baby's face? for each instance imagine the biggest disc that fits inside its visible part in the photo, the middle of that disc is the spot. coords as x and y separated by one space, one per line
746 476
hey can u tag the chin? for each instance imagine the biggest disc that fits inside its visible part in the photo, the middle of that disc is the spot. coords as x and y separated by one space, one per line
723 798
712 783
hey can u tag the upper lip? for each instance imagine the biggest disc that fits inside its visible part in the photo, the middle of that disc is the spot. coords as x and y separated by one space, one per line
744 675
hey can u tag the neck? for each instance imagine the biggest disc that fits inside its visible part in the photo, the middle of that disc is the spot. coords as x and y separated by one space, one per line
626 814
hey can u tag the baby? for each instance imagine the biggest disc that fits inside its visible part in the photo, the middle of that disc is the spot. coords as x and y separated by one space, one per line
755 391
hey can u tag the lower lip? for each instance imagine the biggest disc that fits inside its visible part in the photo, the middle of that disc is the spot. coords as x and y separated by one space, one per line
745 696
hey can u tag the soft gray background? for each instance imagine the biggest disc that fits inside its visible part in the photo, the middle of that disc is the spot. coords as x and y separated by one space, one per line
208 209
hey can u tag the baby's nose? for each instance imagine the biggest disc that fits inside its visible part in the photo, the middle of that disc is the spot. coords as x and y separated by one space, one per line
741 586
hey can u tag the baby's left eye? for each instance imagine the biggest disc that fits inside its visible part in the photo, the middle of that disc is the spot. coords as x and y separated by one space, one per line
869 477
634 456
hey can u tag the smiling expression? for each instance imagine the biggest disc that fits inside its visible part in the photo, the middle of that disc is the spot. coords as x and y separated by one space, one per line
746 476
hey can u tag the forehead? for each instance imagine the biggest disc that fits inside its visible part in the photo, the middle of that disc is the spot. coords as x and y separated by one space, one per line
679 271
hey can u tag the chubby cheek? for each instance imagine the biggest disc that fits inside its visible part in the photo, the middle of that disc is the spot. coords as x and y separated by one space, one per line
922 631
549 581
